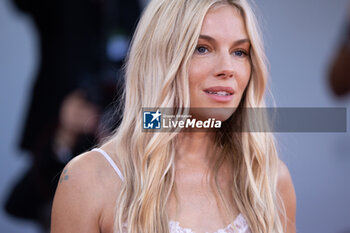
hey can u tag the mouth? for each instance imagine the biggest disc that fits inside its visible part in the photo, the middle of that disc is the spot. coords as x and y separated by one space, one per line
220 93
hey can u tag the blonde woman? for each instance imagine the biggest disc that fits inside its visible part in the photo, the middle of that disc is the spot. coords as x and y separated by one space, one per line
185 53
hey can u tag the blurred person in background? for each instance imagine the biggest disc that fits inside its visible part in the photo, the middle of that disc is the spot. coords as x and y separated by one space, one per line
339 77
82 47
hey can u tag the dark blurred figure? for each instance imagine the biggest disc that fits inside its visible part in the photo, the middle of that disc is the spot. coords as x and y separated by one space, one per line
339 77
83 44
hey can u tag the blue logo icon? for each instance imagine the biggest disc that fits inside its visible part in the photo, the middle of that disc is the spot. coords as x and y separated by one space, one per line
151 120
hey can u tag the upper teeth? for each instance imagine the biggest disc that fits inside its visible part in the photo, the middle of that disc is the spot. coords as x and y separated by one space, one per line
219 92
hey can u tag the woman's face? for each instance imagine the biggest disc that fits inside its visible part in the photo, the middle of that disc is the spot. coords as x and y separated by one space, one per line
220 67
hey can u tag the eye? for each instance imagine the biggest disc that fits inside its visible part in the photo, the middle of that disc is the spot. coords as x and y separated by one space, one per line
240 53
201 49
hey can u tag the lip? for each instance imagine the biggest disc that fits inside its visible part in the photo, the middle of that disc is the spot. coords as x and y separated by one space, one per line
220 88
219 98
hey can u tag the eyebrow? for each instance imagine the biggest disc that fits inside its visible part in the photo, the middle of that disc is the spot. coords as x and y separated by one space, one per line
211 39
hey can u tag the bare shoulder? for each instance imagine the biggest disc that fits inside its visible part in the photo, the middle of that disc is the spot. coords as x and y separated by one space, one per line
286 191
86 184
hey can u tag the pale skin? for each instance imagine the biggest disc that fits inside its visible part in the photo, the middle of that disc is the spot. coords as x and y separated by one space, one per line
86 194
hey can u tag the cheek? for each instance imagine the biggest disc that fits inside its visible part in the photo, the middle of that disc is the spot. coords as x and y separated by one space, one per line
244 76
198 71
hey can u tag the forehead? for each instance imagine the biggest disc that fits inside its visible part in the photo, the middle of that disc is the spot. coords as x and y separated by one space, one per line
224 20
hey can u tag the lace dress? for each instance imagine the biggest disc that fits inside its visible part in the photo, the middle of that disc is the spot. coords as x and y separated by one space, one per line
239 225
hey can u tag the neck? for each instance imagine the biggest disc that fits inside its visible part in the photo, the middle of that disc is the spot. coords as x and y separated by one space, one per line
195 148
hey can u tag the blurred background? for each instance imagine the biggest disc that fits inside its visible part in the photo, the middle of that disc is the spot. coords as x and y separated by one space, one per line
303 40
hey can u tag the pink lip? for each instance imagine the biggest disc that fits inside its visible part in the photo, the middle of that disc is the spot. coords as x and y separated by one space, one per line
220 98
220 88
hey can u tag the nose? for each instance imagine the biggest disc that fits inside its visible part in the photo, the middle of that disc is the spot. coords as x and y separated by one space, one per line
224 66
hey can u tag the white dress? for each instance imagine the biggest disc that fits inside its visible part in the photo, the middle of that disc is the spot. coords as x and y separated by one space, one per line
240 224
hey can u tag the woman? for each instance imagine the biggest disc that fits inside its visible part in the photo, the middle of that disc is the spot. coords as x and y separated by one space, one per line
185 53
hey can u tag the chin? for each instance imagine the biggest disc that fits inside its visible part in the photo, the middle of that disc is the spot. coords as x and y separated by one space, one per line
221 114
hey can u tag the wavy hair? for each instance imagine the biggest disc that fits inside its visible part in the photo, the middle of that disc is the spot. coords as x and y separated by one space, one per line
156 75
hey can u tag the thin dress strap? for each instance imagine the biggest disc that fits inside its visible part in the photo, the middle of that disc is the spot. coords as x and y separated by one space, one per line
111 162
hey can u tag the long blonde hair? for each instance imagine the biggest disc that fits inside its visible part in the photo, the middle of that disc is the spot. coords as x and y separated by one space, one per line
157 76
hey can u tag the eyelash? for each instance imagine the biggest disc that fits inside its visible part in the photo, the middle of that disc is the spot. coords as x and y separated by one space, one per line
244 53
201 46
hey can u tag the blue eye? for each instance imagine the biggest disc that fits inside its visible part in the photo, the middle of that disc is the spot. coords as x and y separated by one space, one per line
240 53
201 49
